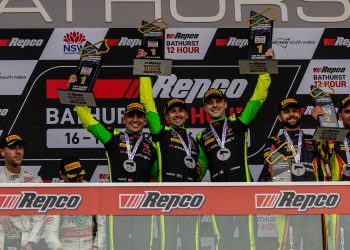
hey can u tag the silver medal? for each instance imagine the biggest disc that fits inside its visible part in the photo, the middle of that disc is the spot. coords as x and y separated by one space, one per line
129 166
346 170
190 162
298 169
223 154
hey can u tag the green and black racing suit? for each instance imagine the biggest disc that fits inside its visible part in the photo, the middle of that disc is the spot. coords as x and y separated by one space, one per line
235 168
172 168
139 227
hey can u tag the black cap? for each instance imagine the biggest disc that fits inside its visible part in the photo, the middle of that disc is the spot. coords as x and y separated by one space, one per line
135 106
175 103
288 103
345 102
210 93
10 140
71 167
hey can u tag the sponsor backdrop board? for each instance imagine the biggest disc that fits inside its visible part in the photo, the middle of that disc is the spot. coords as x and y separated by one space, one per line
37 62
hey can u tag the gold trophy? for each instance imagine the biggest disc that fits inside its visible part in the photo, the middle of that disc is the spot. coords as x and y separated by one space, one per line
260 40
153 62
88 69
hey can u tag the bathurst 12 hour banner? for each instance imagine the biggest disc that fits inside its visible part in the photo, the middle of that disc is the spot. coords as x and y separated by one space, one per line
34 63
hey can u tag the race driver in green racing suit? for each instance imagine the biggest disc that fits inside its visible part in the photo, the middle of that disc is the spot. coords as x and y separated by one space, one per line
131 158
225 146
178 155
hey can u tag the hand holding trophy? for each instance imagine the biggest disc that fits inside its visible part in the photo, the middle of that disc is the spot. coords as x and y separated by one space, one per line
91 59
150 59
260 41
328 128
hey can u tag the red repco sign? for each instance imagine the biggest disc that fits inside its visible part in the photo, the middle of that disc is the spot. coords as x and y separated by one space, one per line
300 201
40 202
157 200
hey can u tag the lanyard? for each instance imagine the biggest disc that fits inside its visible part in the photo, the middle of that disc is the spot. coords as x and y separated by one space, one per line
296 155
347 150
188 149
221 141
131 154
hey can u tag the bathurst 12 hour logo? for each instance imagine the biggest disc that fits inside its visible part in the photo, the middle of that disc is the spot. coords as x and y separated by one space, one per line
300 201
42 203
157 200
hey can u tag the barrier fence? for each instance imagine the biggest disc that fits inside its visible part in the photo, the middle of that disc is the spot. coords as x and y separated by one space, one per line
185 216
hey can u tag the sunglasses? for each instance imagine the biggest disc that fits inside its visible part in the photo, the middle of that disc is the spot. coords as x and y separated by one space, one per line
346 111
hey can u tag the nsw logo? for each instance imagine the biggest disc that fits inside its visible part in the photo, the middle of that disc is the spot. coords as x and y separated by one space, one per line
289 199
164 202
74 42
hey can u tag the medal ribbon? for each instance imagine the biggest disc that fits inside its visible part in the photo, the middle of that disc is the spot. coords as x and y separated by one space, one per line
188 149
131 154
221 141
296 155
346 144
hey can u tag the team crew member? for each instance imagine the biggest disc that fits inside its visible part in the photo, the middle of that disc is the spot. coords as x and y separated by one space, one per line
338 155
178 155
131 158
224 144
74 232
302 152
17 232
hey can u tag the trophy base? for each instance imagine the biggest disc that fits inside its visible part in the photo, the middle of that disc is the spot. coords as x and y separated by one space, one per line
280 170
76 98
258 66
330 134
152 67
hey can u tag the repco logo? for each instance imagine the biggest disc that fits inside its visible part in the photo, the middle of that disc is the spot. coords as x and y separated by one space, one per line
301 202
16 42
339 41
124 42
157 200
182 36
329 70
189 89
42 203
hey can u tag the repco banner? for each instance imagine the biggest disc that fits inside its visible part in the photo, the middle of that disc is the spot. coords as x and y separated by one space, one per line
155 199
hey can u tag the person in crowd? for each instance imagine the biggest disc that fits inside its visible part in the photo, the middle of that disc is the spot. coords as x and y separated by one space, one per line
18 232
178 155
296 150
338 159
225 146
73 232
132 157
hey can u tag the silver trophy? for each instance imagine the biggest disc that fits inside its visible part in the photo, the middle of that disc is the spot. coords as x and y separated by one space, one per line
328 128
280 165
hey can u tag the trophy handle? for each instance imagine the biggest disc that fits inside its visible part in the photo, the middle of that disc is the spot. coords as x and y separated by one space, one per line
96 51
153 27
263 19
311 93
268 159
